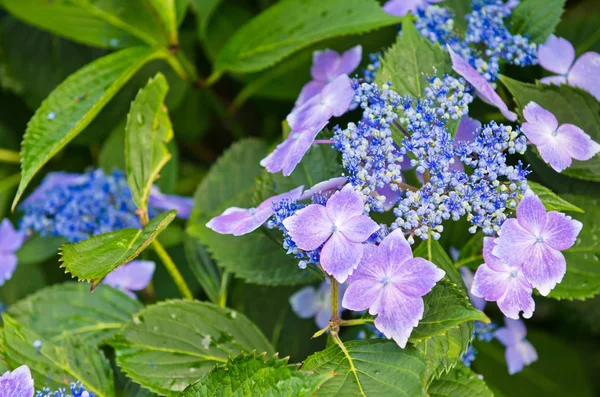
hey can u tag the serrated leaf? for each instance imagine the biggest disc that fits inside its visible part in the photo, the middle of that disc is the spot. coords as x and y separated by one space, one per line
70 308
551 200
290 25
569 105
460 382
73 105
56 364
171 344
537 18
382 369
92 259
250 375
410 60
147 134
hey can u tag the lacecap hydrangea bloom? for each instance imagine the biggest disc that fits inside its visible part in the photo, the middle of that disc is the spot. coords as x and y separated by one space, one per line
519 352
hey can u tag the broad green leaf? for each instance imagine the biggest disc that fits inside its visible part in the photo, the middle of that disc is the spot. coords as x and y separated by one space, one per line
105 24
537 18
381 368
204 268
171 344
70 308
551 200
432 250
74 104
112 154
165 14
223 24
181 7
251 375
410 60
56 364
92 259
460 382
204 10
38 249
569 105
289 26
147 133
471 254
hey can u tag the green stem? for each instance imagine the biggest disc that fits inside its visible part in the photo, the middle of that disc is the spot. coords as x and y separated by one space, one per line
213 78
223 290
339 342
181 66
335 318
467 260
357 321
173 271
10 182
9 156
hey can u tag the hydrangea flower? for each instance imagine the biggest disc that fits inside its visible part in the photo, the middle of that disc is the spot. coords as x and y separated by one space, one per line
307 121
534 240
133 276
497 281
75 390
340 225
167 202
240 221
391 283
328 65
519 352
467 276
558 55
557 145
402 7
10 242
480 84
325 189
17 383
312 302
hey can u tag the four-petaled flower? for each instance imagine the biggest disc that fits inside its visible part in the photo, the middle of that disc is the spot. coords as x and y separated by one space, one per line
340 225
401 7
311 302
327 66
558 55
133 276
18 383
467 275
391 283
10 241
497 281
557 145
240 221
480 84
167 202
519 352
534 240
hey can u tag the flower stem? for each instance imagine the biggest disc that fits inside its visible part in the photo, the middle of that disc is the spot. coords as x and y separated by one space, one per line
357 321
323 141
173 271
223 290
9 156
335 318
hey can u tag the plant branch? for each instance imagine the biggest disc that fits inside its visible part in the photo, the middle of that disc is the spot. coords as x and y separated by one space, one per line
9 156
357 321
173 271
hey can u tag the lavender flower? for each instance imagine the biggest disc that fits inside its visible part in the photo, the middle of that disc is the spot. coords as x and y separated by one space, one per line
402 7
133 276
557 145
390 283
18 383
519 351
167 202
467 276
311 302
10 242
75 390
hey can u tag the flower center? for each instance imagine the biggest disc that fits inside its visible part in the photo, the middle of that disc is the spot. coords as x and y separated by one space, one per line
513 273
539 239
295 135
334 228
555 133
322 101
386 280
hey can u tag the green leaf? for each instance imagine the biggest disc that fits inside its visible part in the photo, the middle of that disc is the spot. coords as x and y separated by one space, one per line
537 18
289 26
92 259
471 254
460 382
251 375
165 13
204 268
171 344
410 60
551 200
204 10
147 133
70 308
56 364
569 105
382 369
73 105
38 249
433 251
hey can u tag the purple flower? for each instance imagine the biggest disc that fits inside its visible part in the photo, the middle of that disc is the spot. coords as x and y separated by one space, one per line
17 383
167 202
497 281
480 84
401 7
51 181
391 283
10 242
465 132
534 239
558 55
307 121
311 302
340 225
240 221
325 188
467 276
133 276
557 145
328 65
519 352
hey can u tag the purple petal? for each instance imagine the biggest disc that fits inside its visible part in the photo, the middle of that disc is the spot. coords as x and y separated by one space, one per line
517 297
52 180
350 60
555 155
556 55
540 123
399 315
8 264
340 256
489 284
401 7
531 213
304 302
577 143
293 194
489 258
288 154
466 129
344 205
513 333
133 276
514 243
17 383
560 231
585 73
167 202
370 266
467 276
324 188
391 196
483 88
394 250
325 65
310 227
416 277
519 356
359 228
10 239
362 294
229 220
556 80
322 317
309 90
544 267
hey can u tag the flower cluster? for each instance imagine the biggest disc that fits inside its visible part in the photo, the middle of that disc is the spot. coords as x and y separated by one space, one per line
19 383
75 390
